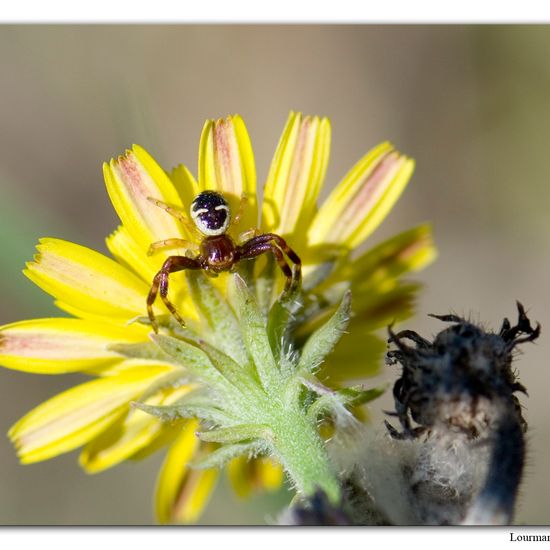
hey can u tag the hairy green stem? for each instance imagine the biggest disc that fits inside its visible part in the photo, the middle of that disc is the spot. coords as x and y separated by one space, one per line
302 452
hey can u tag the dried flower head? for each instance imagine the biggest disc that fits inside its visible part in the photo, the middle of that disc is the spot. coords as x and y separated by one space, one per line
460 392
447 381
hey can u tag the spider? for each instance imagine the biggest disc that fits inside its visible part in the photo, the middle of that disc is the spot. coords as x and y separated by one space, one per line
217 252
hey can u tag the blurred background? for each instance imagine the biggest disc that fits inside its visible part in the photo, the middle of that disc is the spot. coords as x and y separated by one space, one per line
470 103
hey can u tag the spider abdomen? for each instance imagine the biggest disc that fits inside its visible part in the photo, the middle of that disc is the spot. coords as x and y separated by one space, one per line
210 212
218 252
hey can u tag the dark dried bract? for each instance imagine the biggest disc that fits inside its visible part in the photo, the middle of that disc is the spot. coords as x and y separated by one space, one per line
447 381
317 510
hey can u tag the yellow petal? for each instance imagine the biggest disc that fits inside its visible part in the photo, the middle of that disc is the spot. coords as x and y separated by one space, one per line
130 179
226 165
164 439
375 309
248 476
185 184
54 346
380 267
131 255
362 199
129 435
124 248
270 473
182 493
358 355
75 416
87 280
296 174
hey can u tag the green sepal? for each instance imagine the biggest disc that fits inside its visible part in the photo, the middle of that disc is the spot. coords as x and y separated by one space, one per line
319 274
265 284
356 395
185 409
220 457
241 376
318 312
143 350
168 413
163 320
237 434
333 402
189 356
280 317
255 336
223 326
173 379
323 340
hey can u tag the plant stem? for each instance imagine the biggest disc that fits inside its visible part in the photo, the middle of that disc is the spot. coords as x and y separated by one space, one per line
495 503
301 451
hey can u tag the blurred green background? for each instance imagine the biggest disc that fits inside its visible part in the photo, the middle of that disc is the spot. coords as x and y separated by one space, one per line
470 103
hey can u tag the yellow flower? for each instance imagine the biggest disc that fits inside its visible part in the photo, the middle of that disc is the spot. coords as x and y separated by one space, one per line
108 338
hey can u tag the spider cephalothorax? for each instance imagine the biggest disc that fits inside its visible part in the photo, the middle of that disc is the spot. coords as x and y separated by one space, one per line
446 380
218 252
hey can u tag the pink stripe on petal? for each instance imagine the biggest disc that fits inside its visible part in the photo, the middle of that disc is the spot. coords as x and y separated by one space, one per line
366 197
50 347
130 180
227 158
134 177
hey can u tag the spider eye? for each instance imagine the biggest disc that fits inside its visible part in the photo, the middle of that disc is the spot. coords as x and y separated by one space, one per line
210 212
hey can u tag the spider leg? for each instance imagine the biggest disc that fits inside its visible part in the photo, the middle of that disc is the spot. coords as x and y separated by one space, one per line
249 252
282 245
176 213
169 243
160 283
271 241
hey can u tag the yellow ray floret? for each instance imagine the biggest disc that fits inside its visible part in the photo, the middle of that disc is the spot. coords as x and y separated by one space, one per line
379 269
226 164
382 265
130 434
130 254
87 280
130 180
362 199
296 175
253 475
55 346
356 357
185 184
72 418
182 492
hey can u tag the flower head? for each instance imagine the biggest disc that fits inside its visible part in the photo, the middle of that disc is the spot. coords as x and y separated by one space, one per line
210 391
